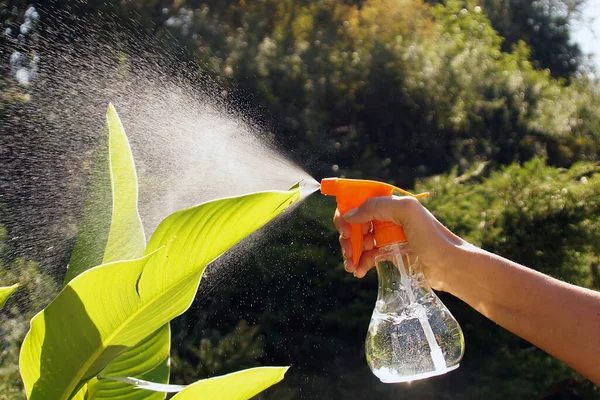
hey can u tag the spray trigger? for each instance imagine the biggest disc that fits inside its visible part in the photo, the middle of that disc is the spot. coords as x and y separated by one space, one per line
352 193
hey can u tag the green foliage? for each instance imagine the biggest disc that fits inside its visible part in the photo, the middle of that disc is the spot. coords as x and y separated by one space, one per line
240 385
36 290
544 26
5 293
147 360
111 230
240 348
542 217
393 89
109 309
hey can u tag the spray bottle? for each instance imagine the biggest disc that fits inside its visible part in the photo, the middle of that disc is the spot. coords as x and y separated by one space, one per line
412 335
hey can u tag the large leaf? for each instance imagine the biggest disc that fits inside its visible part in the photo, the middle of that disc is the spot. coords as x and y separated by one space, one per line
240 385
111 230
148 360
110 308
6 292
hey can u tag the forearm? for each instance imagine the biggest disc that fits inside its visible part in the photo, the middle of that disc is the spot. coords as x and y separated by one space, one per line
559 318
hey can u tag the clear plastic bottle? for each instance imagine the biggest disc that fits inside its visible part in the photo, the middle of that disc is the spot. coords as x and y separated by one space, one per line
412 335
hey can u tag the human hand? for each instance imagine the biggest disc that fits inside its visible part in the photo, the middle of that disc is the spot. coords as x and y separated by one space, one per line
432 242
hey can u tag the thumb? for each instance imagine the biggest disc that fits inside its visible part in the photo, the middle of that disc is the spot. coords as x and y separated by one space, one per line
392 208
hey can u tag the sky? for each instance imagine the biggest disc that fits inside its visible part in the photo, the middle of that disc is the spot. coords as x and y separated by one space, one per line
587 32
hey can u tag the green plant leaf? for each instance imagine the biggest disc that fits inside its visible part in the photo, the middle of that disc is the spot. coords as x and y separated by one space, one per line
111 228
241 385
149 385
6 292
81 394
108 309
148 360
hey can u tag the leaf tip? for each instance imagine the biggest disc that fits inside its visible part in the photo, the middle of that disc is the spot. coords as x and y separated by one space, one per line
111 111
296 186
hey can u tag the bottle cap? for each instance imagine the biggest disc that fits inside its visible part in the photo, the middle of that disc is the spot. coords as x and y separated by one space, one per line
386 233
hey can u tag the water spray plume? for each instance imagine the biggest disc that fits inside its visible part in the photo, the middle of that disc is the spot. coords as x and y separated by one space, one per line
308 187
189 139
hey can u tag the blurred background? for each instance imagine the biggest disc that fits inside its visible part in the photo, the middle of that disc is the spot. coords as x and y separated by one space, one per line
492 105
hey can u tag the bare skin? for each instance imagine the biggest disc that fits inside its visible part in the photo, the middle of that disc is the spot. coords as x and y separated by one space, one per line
560 318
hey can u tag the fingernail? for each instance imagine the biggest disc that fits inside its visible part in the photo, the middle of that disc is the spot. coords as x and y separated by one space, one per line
350 213
349 267
345 254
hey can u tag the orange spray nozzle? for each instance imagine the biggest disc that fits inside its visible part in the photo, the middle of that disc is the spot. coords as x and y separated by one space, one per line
351 193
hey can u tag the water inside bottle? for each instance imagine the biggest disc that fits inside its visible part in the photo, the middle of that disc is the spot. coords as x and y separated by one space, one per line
398 350
412 335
